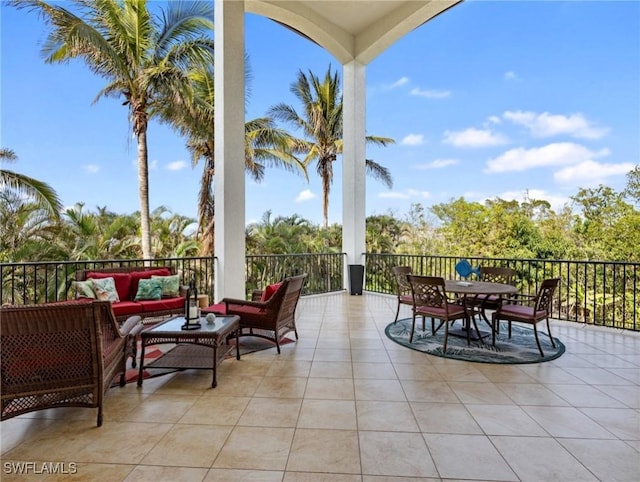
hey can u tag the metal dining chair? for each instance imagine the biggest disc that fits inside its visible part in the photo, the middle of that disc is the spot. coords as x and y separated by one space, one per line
430 299
492 274
403 288
539 310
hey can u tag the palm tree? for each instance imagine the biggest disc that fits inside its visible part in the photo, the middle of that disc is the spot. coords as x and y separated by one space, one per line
142 56
101 235
29 232
41 192
193 118
321 123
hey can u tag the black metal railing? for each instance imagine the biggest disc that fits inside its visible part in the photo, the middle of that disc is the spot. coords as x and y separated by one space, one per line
591 292
324 271
46 281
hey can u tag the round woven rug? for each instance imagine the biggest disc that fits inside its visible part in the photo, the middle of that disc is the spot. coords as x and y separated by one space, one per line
520 348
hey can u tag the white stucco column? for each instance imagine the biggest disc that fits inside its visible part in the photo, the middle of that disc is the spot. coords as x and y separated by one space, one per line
353 163
229 181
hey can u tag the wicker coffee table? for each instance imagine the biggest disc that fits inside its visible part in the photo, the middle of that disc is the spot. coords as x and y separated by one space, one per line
201 349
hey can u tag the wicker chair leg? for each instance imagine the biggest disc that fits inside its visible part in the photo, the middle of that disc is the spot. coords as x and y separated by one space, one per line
397 312
134 351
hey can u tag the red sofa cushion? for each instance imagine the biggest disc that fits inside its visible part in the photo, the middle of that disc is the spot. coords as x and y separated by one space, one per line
121 280
269 291
163 304
126 308
136 276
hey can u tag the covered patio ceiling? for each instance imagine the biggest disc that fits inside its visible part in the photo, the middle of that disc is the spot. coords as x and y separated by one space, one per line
349 29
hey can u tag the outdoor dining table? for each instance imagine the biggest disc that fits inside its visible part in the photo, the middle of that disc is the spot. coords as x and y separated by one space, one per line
469 292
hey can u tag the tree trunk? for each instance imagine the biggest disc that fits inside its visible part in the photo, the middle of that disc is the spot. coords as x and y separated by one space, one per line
143 192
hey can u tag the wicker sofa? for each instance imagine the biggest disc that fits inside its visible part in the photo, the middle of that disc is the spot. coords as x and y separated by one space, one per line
64 354
126 280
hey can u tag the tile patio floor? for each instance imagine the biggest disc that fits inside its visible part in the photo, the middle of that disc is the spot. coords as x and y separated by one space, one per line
344 403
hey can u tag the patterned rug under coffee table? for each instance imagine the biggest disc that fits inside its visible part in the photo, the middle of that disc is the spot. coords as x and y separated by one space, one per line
248 345
520 348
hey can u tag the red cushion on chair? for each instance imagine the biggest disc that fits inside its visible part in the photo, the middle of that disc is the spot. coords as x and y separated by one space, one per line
519 311
454 310
218 309
269 291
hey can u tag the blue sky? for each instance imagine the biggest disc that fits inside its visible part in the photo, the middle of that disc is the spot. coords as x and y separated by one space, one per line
490 99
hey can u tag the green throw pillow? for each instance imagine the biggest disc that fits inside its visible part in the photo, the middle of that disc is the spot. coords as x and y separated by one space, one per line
170 285
149 289
84 289
105 289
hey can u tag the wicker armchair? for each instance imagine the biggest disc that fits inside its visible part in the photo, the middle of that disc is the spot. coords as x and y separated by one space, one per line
61 355
270 319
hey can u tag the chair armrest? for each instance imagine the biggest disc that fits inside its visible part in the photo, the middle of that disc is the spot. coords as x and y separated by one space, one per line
235 301
518 298
133 323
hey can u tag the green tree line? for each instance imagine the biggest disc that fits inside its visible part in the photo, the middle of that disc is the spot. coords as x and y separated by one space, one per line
602 224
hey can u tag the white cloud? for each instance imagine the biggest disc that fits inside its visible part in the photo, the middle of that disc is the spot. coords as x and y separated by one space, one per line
430 94
591 173
305 195
412 140
91 168
548 125
473 137
406 194
557 154
557 202
400 82
177 165
494 119
510 75
437 164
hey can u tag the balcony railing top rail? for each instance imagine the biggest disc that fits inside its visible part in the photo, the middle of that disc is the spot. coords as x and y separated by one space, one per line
591 292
